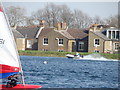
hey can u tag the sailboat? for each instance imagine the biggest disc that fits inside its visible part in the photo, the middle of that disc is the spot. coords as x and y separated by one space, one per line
9 59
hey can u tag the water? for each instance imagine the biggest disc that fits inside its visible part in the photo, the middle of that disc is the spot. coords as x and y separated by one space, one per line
70 73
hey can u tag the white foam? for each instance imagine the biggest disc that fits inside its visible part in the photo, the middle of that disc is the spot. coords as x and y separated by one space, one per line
96 56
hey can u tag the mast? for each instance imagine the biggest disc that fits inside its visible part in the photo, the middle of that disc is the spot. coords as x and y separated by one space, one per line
22 76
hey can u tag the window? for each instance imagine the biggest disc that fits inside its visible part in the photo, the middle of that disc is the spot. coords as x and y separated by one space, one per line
117 35
60 42
109 34
113 35
45 41
116 46
81 46
97 51
96 42
29 44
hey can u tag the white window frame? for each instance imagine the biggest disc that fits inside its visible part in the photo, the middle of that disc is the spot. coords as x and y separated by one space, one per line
116 46
29 44
60 41
82 45
44 41
95 42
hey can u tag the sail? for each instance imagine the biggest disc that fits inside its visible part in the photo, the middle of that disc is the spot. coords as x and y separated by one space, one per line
9 61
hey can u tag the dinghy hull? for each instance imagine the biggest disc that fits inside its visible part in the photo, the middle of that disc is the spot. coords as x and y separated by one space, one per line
20 87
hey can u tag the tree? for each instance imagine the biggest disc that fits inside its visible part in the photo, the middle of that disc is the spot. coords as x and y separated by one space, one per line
98 20
52 14
66 15
37 16
81 20
112 21
16 15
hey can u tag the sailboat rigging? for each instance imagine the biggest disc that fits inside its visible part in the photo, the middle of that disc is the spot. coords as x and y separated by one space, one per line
9 60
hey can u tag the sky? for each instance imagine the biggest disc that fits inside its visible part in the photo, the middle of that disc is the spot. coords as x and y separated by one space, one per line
101 9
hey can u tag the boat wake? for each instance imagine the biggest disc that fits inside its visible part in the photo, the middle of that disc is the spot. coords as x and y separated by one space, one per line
96 56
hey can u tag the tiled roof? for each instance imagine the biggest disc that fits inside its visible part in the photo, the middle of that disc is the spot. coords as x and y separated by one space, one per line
98 33
17 34
77 33
65 34
70 33
45 31
29 32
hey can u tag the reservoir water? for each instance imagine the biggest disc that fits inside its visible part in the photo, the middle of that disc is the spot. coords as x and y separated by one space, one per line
56 72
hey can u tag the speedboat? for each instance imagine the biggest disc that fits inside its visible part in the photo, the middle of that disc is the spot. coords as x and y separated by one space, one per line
74 56
70 56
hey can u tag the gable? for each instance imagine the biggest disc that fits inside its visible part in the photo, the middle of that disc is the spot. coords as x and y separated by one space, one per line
99 34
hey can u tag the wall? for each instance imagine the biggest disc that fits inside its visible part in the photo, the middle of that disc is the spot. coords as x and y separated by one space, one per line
70 45
91 46
33 44
20 43
108 46
52 42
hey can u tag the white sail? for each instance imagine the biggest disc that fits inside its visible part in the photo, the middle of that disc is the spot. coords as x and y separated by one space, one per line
8 52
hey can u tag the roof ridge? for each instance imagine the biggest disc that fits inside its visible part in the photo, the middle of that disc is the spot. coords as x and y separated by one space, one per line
64 32
32 26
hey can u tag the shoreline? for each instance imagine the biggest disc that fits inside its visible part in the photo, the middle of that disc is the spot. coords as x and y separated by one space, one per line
63 54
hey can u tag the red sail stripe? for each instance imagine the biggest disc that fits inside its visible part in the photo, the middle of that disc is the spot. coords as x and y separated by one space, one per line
0 9
8 69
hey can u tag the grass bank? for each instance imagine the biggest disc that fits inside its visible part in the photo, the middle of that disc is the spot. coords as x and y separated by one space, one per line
62 54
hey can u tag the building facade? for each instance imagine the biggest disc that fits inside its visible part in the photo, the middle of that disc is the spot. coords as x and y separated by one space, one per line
63 39
104 40
28 41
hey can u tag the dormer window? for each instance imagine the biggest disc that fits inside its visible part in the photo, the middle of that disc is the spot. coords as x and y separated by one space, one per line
113 34
117 35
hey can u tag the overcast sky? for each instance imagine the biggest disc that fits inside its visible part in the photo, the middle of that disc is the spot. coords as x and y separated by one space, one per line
102 9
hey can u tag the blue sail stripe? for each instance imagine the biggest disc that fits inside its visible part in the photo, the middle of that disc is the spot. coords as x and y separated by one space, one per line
4 75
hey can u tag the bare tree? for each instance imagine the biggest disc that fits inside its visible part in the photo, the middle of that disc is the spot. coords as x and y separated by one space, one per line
66 15
81 20
29 21
16 15
37 16
112 21
98 20
52 14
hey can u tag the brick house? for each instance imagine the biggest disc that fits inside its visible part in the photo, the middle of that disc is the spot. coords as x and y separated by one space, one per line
29 42
19 39
103 39
62 39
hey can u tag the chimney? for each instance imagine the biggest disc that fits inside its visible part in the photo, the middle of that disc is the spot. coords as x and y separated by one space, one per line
14 27
42 23
61 26
94 27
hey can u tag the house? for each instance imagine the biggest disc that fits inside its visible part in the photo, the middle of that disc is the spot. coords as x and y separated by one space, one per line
62 39
103 39
19 39
113 34
29 41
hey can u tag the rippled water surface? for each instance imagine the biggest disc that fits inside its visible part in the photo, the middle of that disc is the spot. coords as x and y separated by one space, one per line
54 72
